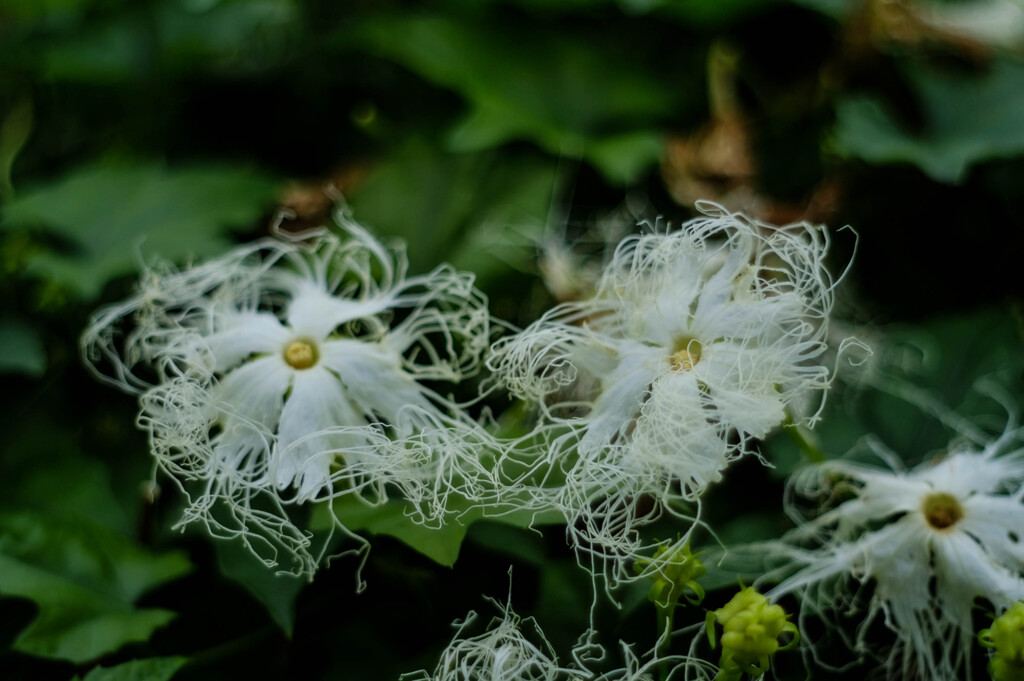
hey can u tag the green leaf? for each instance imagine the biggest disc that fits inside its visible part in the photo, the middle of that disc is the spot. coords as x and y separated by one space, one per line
748 528
14 132
36 9
968 118
247 35
395 519
107 213
44 467
21 350
440 545
277 592
519 543
742 567
940 364
84 580
152 669
84 484
482 212
837 9
704 13
524 82
534 5
627 156
129 47
108 53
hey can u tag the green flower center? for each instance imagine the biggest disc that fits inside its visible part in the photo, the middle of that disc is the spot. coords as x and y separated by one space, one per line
942 510
686 353
301 353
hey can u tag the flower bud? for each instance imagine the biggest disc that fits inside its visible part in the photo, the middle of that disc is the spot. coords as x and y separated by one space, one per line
673 569
751 628
1006 637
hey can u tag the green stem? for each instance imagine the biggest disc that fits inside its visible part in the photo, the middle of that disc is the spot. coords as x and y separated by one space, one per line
666 618
807 448
722 66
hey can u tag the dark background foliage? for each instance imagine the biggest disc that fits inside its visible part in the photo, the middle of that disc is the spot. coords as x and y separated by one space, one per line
471 129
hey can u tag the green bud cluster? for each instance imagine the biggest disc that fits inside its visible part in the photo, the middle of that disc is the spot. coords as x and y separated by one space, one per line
1006 637
751 628
674 571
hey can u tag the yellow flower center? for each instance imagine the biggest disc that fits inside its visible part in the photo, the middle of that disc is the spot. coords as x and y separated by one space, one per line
942 510
687 353
301 354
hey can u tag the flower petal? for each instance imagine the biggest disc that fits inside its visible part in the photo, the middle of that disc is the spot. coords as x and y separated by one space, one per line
240 334
742 387
315 313
997 523
252 393
377 384
965 571
623 392
247 403
304 455
675 436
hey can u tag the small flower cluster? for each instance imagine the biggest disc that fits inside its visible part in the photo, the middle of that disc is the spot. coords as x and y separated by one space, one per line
751 628
674 571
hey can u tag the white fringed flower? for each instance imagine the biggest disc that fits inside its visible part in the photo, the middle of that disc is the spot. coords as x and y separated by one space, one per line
695 342
515 649
928 541
502 653
294 368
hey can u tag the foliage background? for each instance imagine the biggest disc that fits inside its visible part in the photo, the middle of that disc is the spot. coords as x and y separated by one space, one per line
470 129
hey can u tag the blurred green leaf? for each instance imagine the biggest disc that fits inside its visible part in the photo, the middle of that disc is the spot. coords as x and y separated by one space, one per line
935 365
169 36
529 83
482 212
748 528
107 53
942 363
626 156
246 35
21 350
536 5
84 580
84 485
968 118
704 13
33 9
109 213
275 591
44 466
732 568
14 132
153 669
837 9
